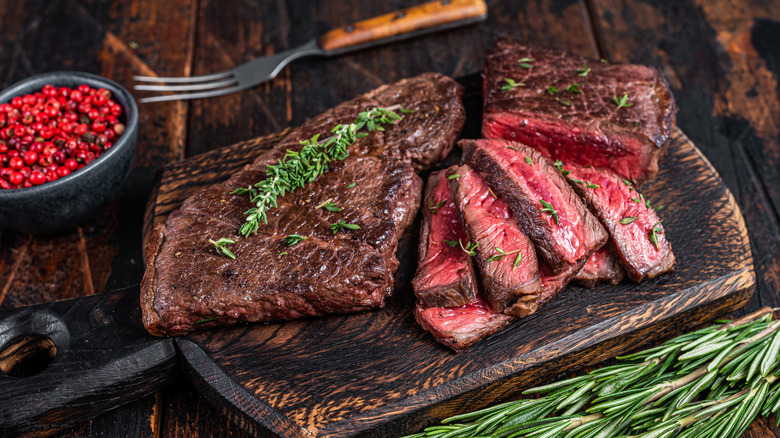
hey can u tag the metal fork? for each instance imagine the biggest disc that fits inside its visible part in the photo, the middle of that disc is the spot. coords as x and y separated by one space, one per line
396 26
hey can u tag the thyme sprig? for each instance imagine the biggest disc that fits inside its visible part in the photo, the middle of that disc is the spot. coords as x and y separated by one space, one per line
511 84
469 248
434 207
548 208
296 169
622 102
341 226
709 383
654 233
294 239
221 246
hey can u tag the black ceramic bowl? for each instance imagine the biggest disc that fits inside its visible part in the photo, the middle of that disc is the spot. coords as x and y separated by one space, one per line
62 204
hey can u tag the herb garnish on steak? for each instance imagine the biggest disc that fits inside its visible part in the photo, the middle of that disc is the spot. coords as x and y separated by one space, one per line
618 117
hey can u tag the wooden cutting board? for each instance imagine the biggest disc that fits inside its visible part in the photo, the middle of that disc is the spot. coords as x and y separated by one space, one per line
378 373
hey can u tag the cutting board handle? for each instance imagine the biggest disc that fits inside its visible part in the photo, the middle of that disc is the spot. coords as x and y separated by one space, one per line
65 362
403 24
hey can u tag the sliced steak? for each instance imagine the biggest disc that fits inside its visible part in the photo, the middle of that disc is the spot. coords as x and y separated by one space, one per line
602 267
505 256
445 275
461 327
553 284
583 125
629 218
187 284
550 212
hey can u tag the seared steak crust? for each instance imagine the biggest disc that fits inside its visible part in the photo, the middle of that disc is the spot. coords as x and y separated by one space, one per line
445 275
586 128
524 178
602 267
187 282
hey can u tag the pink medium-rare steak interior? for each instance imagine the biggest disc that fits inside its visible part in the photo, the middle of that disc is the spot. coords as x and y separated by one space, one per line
574 116
550 212
602 266
631 220
510 280
445 274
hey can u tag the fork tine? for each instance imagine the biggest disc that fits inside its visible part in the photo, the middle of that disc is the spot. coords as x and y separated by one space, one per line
187 96
185 79
189 87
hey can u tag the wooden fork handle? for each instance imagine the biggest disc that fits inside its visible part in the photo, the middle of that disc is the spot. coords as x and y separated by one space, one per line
405 23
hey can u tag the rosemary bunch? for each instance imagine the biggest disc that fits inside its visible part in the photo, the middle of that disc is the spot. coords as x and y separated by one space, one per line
709 383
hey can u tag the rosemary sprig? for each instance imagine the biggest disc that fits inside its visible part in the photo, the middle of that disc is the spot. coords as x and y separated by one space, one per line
548 208
297 169
709 383
221 246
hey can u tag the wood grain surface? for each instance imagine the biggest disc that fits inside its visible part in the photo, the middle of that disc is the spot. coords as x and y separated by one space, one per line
721 57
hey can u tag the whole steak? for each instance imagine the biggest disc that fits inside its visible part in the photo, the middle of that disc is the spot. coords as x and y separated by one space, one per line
187 284
578 110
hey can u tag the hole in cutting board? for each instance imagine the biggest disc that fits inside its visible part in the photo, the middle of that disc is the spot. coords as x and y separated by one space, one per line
27 355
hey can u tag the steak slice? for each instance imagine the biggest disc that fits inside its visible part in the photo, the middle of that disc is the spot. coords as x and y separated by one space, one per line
550 212
614 200
553 284
461 327
510 282
584 125
602 267
445 275
188 285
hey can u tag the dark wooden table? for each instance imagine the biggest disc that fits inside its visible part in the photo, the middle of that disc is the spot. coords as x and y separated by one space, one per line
722 58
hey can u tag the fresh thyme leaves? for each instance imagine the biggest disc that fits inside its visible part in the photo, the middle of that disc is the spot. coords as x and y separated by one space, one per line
351 185
637 200
518 259
552 90
563 102
658 208
403 110
584 70
491 192
500 253
575 180
590 185
470 248
627 220
454 176
574 88
332 207
622 102
654 233
294 239
709 383
529 160
511 84
452 243
283 253
627 182
297 169
511 147
341 226
434 207
559 165
525 62
221 246
203 321
548 208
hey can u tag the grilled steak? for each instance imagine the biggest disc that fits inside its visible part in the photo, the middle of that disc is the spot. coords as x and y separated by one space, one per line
553 284
187 282
445 274
505 256
632 222
550 212
460 327
578 124
602 266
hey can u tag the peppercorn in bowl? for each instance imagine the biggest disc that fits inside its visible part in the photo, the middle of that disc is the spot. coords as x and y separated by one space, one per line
67 142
